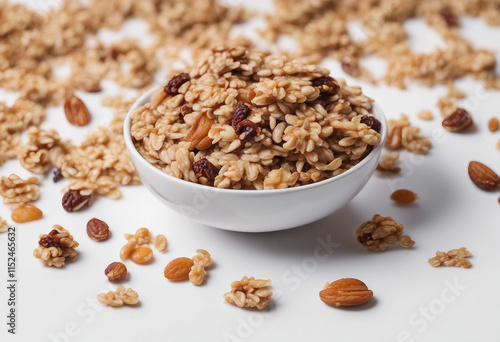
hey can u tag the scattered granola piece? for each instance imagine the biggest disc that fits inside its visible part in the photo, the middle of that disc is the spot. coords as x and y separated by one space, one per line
249 293
425 115
54 247
401 134
16 191
389 163
455 257
3 225
380 232
201 260
119 297
160 243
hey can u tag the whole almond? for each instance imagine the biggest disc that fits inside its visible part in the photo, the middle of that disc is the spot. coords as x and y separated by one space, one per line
484 177
76 112
178 269
97 230
459 120
26 213
404 197
346 292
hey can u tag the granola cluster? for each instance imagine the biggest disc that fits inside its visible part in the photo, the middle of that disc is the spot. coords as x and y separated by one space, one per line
41 151
54 247
389 163
119 297
249 293
455 257
401 134
202 260
3 225
17 191
381 232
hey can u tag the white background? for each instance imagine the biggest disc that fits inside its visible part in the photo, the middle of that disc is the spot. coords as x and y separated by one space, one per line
412 301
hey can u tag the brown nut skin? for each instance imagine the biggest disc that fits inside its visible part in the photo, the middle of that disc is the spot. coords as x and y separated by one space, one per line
346 292
483 177
404 196
178 269
116 271
459 120
97 230
76 112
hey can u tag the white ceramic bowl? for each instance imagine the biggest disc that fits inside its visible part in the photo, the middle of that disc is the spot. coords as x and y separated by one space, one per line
254 210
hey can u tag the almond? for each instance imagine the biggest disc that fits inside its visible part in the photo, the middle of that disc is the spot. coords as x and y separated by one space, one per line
404 197
346 292
198 134
26 213
178 269
459 120
76 112
484 177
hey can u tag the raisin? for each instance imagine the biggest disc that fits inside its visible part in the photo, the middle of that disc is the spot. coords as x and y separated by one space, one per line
350 66
371 122
328 86
186 110
204 168
57 176
73 200
241 113
449 16
248 127
365 237
172 88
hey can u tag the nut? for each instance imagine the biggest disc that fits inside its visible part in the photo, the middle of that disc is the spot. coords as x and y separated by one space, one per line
346 292
178 269
160 243
76 112
26 213
493 124
116 271
404 197
97 230
459 120
73 200
484 177
203 258
141 255
198 134
197 274
126 249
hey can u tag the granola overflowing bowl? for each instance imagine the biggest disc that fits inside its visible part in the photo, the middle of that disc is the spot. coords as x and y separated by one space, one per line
253 142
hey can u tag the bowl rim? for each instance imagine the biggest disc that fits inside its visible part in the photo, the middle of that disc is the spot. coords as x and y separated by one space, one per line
142 100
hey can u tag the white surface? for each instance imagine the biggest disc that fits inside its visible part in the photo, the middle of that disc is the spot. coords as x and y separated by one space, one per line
254 211
410 297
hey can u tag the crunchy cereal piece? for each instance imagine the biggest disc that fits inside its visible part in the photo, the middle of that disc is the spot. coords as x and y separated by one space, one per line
197 274
453 92
401 134
425 115
141 237
380 232
26 213
160 243
3 225
446 106
35 155
249 293
16 191
119 297
202 257
389 163
126 250
54 247
455 257
141 255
